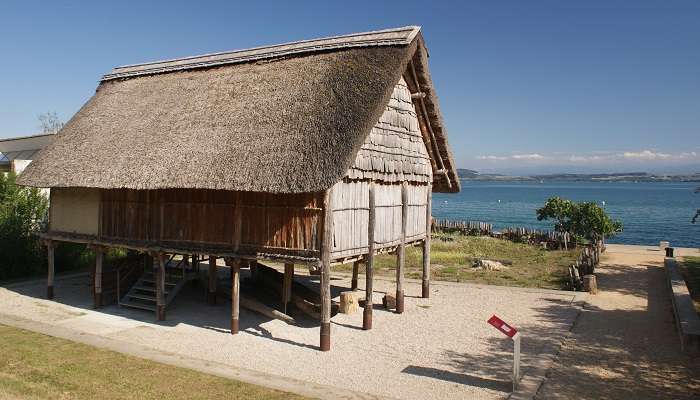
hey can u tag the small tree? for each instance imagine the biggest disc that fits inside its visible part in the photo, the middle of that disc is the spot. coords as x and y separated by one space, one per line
50 123
586 220
559 210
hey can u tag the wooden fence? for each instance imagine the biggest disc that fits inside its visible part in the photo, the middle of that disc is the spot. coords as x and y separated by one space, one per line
473 228
586 263
551 239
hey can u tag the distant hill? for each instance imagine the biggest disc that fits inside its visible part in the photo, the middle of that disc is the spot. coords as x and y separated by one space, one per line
471 175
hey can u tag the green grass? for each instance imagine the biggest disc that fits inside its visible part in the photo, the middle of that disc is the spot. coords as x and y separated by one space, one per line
452 257
35 366
691 273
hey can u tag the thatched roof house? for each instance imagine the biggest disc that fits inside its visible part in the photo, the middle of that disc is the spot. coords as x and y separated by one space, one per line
316 152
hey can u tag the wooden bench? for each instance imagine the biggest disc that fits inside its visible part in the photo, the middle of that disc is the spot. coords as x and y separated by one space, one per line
687 319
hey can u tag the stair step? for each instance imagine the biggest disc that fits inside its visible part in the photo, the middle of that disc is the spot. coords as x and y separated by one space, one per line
142 297
153 281
140 306
151 289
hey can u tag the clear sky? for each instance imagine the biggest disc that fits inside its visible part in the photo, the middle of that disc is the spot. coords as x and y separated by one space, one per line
525 87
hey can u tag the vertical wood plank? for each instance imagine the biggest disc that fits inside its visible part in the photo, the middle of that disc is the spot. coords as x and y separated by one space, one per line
369 265
355 272
287 285
401 253
235 294
211 293
237 219
426 243
327 244
160 286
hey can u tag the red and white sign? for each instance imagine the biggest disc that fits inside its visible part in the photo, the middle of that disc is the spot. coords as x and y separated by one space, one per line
502 326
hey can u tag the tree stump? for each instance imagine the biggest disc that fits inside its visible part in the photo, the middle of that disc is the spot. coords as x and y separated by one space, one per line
349 302
389 301
590 284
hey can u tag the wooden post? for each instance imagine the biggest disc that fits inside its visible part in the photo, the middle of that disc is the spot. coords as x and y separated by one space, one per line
50 246
401 253
426 243
355 272
287 285
99 252
369 265
235 265
160 287
325 268
211 292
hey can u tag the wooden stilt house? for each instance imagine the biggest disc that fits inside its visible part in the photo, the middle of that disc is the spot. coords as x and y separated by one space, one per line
317 152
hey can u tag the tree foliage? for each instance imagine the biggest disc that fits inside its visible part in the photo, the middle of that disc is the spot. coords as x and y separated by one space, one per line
586 220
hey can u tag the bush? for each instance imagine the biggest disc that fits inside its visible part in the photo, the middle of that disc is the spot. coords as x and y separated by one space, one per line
585 220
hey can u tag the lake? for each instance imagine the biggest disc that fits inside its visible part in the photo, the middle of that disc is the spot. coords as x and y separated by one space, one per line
650 211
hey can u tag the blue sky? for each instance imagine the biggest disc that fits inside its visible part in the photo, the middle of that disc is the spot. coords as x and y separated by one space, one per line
525 87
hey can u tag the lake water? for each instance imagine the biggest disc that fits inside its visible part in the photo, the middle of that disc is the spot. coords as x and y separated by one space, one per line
650 212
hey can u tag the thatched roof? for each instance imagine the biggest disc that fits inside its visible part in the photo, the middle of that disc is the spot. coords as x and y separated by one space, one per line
283 119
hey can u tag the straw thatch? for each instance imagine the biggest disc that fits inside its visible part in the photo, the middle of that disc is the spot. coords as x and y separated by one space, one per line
285 123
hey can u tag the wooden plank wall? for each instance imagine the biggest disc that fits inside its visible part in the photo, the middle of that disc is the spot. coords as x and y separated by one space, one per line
207 217
351 213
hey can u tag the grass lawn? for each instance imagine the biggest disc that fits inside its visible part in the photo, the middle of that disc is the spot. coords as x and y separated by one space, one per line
452 256
690 267
35 366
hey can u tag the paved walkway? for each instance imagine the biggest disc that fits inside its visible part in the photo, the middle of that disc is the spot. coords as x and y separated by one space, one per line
624 344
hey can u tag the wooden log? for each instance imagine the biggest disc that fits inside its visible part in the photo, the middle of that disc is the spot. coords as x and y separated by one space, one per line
287 285
211 292
51 247
590 284
97 301
369 265
355 272
325 267
160 286
401 251
349 302
235 265
426 245
260 308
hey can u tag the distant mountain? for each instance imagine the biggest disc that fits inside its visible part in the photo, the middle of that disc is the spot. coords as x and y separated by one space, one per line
471 175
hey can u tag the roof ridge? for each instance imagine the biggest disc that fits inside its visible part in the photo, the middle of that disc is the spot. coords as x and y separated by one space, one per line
386 37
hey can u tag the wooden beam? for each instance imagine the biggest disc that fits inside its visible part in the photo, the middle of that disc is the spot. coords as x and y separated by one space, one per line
99 256
355 272
287 285
160 286
325 267
401 251
51 247
369 265
235 265
211 293
426 243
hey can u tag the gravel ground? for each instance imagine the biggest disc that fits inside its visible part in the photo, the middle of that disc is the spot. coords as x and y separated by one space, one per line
440 347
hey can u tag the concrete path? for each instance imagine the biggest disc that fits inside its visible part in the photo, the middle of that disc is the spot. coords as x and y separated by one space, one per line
624 344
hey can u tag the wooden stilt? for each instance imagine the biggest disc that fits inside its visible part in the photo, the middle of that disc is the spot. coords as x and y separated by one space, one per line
99 252
211 292
369 265
235 265
325 267
355 272
401 251
160 286
426 244
50 246
287 285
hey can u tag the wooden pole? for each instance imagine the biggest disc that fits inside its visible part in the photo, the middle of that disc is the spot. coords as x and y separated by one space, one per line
426 243
160 287
99 252
401 253
211 293
235 265
50 246
325 267
287 285
367 313
355 273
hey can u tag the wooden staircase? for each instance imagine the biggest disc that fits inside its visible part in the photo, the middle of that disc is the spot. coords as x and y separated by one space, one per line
142 294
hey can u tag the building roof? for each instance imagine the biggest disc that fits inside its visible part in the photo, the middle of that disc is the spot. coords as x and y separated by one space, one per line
285 119
24 147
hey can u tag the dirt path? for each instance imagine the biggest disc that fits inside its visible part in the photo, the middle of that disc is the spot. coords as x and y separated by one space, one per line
624 345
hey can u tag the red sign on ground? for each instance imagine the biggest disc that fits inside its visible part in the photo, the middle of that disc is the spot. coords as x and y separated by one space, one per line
502 326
